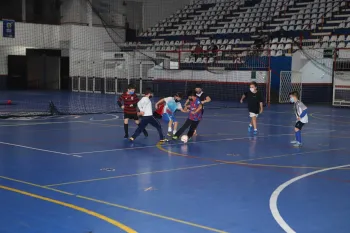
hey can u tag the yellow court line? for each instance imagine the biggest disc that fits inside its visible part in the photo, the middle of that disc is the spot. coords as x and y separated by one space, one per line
86 211
152 214
36 185
121 206
135 174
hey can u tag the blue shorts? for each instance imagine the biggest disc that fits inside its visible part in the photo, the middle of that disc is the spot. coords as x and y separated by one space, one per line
168 117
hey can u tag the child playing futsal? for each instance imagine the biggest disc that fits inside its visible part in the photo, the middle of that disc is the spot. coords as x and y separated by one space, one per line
194 117
166 109
255 105
145 107
301 115
128 102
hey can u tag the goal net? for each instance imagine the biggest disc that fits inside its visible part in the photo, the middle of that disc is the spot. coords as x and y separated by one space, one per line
290 81
341 78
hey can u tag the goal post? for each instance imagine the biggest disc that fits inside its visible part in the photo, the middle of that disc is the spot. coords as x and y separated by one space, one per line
341 78
290 81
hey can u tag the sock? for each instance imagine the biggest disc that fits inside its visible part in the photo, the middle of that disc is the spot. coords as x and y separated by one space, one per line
250 125
255 129
169 129
298 136
126 129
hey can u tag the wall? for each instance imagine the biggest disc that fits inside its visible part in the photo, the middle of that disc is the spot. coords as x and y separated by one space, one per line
85 45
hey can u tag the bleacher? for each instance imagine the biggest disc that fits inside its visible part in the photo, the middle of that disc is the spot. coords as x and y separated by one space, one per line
235 27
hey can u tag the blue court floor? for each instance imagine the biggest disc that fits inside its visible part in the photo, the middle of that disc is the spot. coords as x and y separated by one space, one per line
76 174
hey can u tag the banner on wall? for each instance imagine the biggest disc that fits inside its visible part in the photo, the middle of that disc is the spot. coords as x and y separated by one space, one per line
8 28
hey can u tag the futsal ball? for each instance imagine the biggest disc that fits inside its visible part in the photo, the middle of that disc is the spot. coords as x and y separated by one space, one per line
184 138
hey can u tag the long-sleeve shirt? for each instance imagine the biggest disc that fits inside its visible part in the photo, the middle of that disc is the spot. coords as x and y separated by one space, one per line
145 105
129 102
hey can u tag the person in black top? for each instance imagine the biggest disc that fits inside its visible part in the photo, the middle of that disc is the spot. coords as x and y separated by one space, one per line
204 98
255 105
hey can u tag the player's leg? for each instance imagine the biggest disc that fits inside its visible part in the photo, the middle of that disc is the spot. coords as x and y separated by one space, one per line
182 129
156 124
250 126
143 124
298 126
126 126
137 122
193 127
195 131
176 124
170 127
253 122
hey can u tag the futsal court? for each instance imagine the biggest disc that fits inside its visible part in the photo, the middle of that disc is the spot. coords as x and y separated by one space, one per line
76 174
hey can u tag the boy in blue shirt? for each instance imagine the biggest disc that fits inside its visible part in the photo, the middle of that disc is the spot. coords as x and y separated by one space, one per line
194 117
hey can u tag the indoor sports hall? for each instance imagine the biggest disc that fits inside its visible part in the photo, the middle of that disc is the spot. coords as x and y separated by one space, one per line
65 166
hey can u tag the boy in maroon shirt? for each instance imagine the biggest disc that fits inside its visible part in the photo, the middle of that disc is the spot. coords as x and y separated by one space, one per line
128 102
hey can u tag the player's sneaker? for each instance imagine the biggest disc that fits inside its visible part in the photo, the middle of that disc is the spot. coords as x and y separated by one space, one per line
169 134
298 145
126 136
255 132
175 137
293 142
145 133
250 128
131 139
164 140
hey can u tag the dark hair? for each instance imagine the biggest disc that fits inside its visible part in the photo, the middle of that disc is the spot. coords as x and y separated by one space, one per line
178 94
131 86
198 86
191 93
295 93
254 83
148 91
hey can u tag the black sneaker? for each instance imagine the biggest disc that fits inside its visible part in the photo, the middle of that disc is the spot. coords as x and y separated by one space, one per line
126 136
145 133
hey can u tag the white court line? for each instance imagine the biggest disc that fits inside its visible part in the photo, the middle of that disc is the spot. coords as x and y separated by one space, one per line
274 197
194 142
38 149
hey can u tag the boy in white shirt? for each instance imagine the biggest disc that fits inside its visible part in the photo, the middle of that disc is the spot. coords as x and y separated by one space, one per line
145 107
302 118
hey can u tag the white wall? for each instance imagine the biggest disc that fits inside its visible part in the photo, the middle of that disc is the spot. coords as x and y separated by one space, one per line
317 70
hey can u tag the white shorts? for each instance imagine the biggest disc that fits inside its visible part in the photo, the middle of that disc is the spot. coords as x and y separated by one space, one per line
253 114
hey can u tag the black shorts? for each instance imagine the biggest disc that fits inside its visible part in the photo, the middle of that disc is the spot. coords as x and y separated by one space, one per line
157 115
299 125
131 116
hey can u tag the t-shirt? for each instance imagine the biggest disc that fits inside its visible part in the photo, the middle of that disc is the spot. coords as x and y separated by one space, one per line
129 102
299 107
254 100
202 96
145 105
193 107
170 103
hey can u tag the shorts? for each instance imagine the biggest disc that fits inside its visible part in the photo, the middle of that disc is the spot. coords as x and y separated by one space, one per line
251 114
167 117
299 125
131 116
157 115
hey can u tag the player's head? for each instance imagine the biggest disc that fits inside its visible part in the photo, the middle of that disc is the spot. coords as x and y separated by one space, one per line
131 89
148 93
253 86
198 88
192 95
294 96
178 96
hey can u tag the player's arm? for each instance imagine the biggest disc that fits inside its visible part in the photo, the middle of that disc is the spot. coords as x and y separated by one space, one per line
199 108
243 97
261 103
160 102
121 101
141 106
304 112
207 100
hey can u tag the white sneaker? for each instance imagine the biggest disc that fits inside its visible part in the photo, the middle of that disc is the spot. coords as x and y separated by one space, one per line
294 141
298 144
